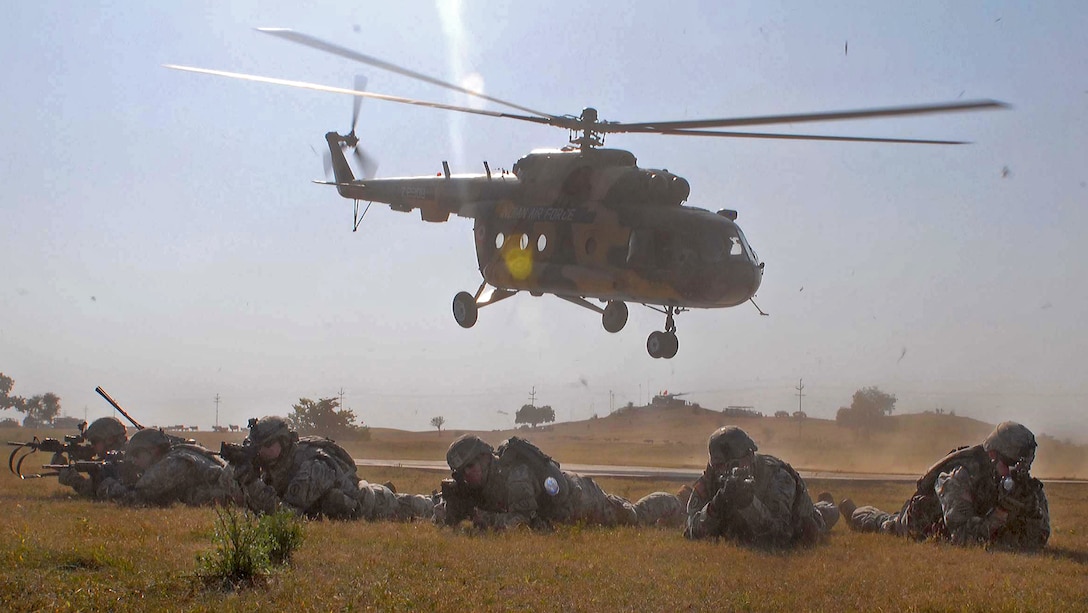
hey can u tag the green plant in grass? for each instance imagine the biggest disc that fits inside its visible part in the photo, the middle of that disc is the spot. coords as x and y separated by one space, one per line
248 547
282 531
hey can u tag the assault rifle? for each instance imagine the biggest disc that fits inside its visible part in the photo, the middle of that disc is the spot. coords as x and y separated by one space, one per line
1020 484
243 458
461 501
740 476
238 454
73 446
113 466
735 490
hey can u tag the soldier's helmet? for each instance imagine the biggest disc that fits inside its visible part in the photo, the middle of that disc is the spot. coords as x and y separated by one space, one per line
465 449
108 430
729 443
268 430
149 439
1011 441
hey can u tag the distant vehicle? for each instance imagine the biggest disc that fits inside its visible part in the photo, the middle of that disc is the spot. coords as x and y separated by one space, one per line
67 423
671 401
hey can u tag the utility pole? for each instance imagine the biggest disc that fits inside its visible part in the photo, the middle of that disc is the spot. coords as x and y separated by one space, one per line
341 396
800 386
800 413
217 410
532 396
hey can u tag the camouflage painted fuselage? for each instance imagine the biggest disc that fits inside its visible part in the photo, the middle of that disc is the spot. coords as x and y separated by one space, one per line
585 223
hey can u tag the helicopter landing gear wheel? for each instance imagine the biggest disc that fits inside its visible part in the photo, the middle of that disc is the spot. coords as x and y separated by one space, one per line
614 317
465 310
662 344
654 344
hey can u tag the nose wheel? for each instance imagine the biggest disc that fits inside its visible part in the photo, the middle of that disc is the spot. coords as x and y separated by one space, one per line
664 344
466 306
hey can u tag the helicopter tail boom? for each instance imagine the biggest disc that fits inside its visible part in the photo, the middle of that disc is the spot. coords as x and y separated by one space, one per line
341 170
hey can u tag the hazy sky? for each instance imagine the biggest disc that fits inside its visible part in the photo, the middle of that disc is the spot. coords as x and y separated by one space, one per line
160 235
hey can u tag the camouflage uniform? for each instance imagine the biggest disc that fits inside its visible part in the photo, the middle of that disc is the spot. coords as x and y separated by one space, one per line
187 473
776 510
112 435
315 477
963 499
516 492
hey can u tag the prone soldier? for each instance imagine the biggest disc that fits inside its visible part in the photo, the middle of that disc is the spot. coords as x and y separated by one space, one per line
105 435
754 499
520 485
982 494
161 469
311 476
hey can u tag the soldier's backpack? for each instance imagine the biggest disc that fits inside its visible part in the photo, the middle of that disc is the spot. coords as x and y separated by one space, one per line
925 517
515 450
330 447
198 450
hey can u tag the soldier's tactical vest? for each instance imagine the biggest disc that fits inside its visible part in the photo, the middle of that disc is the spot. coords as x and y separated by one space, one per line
924 515
516 450
331 449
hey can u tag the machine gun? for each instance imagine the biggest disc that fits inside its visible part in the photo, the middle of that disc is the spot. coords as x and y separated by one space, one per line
461 501
73 446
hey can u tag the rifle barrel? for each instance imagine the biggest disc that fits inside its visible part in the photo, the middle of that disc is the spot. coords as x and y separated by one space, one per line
102 392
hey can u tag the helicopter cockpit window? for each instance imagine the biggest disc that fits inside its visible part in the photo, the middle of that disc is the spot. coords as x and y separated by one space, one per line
735 247
747 248
712 247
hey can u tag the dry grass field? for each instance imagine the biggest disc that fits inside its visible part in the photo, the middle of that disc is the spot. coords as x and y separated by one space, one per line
64 554
60 553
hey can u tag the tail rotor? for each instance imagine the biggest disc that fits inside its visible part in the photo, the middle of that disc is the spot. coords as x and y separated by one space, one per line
365 162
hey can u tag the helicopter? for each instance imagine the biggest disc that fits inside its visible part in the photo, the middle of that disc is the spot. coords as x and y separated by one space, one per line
581 222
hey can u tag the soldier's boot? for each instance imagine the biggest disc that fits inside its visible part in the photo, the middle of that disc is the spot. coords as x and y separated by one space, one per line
847 508
389 485
825 505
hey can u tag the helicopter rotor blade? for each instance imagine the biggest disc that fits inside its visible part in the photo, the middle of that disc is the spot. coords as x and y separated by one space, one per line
316 43
366 163
326 163
900 111
360 86
351 92
855 139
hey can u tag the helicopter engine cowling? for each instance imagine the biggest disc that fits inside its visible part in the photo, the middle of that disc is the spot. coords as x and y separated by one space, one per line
647 186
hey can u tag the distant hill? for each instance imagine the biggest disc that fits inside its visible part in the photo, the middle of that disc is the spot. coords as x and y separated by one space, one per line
676 437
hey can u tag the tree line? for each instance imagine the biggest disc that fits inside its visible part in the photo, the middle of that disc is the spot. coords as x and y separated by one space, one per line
39 410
